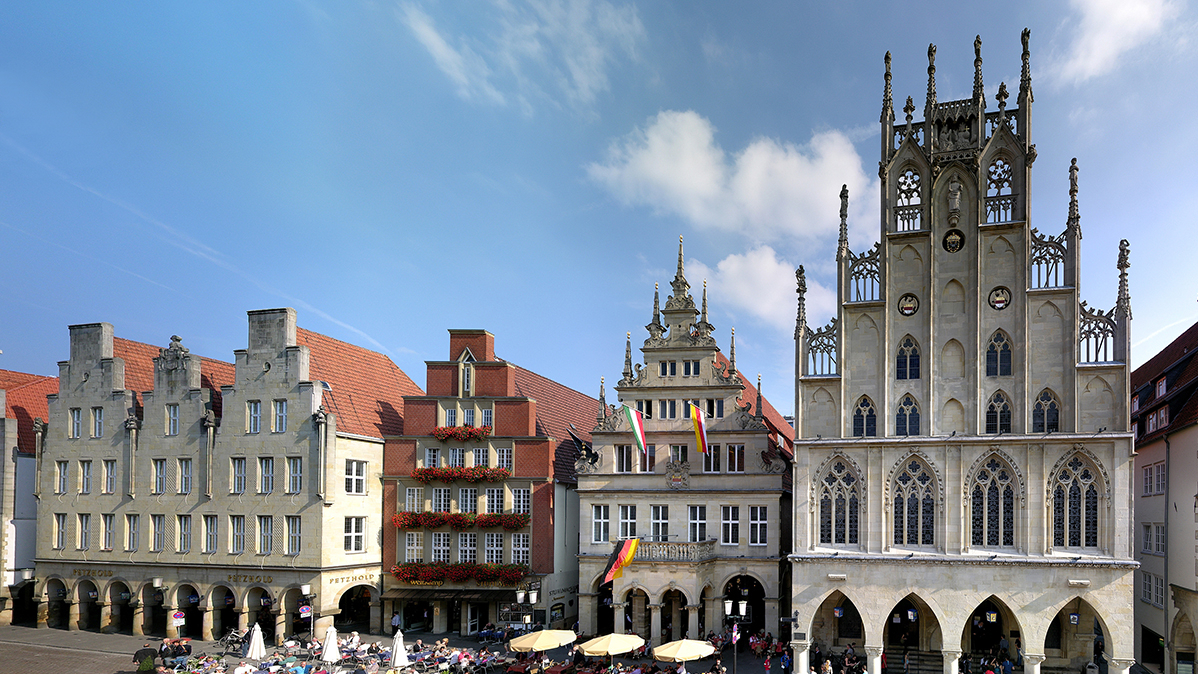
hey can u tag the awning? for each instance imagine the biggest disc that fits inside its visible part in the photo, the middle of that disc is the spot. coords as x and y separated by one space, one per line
481 594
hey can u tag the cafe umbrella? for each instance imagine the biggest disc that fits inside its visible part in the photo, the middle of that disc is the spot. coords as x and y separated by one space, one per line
542 640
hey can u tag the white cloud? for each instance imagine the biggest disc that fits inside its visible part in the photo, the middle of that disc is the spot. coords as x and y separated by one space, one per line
1106 30
535 49
768 191
761 285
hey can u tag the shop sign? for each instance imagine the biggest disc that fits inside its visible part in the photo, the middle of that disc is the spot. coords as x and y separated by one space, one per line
368 577
431 583
92 573
238 578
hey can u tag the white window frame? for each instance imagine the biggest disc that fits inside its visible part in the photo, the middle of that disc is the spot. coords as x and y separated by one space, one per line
659 522
488 417
295 534
60 531
172 419
237 534
183 524
253 416
109 476
468 547
758 522
494 548
441 499
1146 587
1135 404
184 468
503 458
441 545
85 476
1146 539
711 460
63 471
266 534
211 533
451 416
494 500
295 474
432 457
355 477
76 423
1159 542
696 523
522 500
521 548
266 474
108 521
679 453
736 458
97 422
280 417
1161 477
414 546
457 457
648 460
85 530
600 523
355 534
468 499
1161 387
1158 591
468 417
1148 482
132 532
237 475
159 466
623 458
729 525
627 521
414 500
157 533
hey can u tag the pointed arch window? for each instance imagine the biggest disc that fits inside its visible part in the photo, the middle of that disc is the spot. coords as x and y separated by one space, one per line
906 364
1046 415
839 506
1075 505
865 419
992 505
914 508
998 355
906 419
998 414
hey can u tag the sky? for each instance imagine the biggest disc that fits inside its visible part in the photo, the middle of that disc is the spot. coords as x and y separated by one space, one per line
396 169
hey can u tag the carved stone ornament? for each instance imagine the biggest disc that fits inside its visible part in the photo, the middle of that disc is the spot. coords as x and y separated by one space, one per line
173 357
746 421
132 423
320 416
678 474
611 421
771 460
638 378
588 462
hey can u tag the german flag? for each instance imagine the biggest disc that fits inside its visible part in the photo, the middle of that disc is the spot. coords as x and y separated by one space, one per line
620 558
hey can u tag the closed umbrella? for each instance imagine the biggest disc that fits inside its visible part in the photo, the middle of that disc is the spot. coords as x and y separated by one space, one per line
330 652
612 644
683 650
256 650
399 654
542 640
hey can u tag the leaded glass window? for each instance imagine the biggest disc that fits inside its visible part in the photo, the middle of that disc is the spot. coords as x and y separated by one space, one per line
998 355
907 363
1075 504
1046 414
865 419
839 505
914 507
906 419
993 503
998 414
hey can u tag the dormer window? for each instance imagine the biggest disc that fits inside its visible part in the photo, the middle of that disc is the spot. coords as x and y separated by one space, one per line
1160 387
1135 404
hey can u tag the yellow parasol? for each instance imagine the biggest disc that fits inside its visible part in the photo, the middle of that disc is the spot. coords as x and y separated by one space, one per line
683 650
612 644
542 640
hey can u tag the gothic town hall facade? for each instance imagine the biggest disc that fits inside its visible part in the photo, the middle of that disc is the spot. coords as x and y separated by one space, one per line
962 422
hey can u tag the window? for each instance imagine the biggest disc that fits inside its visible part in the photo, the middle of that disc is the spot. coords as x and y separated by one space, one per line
184 525
678 453
664 408
520 546
711 460
627 522
441 546
172 419
736 458
503 458
998 414
906 419
730 525
1159 539
414 546
645 407
109 476
415 500
85 531
659 522
839 506
295 534
468 416
62 470
97 422
757 520
355 477
663 368
441 500
673 409
1146 539
280 425
76 428
266 534
158 533
468 499
466 370
623 458
184 476
865 419
133 531
211 533
1075 505
432 457
1160 477
253 410
494 544
998 355
355 534
1160 387
109 523
686 368
1135 404
648 460
1158 593
238 475
914 515
488 417
907 363
468 548
482 457
599 524
494 500
457 457
451 417
1146 587
159 476
60 531
673 368
992 505
697 523
266 475
295 474
1147 480
1046 415
85 477
237 534
521 500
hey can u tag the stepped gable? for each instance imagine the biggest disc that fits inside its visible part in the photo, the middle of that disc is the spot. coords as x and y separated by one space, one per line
560 410
366 388
139 370
25 400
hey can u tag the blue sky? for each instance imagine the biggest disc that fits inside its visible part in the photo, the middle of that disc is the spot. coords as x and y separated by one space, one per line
395 169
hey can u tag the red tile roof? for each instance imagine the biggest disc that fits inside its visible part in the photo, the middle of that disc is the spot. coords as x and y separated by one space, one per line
25 400
1178 364
139 370
560 410
367 388
1185 343
777 424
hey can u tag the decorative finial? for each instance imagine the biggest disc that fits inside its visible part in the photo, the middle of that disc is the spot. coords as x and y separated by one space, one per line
679 284
842 248
909 108
655 328
931 103
628 356
732 355
887 101
704 316
656 305
1002 102
1025 77
757 410
979 91
1123 304
602 402
801 289
1074 223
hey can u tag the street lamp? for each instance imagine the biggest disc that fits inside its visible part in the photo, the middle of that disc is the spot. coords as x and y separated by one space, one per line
739 618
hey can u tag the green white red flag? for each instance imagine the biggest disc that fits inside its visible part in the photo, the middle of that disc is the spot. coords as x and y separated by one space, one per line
637 423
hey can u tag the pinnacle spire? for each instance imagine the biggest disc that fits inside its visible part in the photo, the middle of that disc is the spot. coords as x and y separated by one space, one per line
842 250
757 410
931 102
801 319
1123 304
979 91
1002 102
887 100
703 318
627 356
679 284
602 402
656 305
1074 223
732 354
1025 77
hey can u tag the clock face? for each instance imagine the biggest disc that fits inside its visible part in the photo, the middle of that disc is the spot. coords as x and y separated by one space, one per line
954 240
1000 297
908 304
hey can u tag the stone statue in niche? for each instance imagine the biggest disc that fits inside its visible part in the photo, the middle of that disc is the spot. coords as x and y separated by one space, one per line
954 195
956 136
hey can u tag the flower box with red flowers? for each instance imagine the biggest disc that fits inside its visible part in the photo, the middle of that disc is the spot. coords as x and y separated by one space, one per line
462 433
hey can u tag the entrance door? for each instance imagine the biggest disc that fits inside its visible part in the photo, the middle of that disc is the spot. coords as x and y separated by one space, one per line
476 617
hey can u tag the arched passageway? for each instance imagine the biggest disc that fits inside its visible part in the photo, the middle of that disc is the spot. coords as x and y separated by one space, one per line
749 590
913 637
989 624
24 609
837 623
120 614
56 603
605 618
355 609
223 604
1077 633
88 595
187 600
153 611
637 617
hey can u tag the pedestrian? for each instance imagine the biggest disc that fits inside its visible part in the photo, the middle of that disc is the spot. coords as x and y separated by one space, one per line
784 662
767 663
144 653
394 622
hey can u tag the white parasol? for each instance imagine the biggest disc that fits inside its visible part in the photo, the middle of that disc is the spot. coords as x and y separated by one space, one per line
330 651
256 648
399 654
